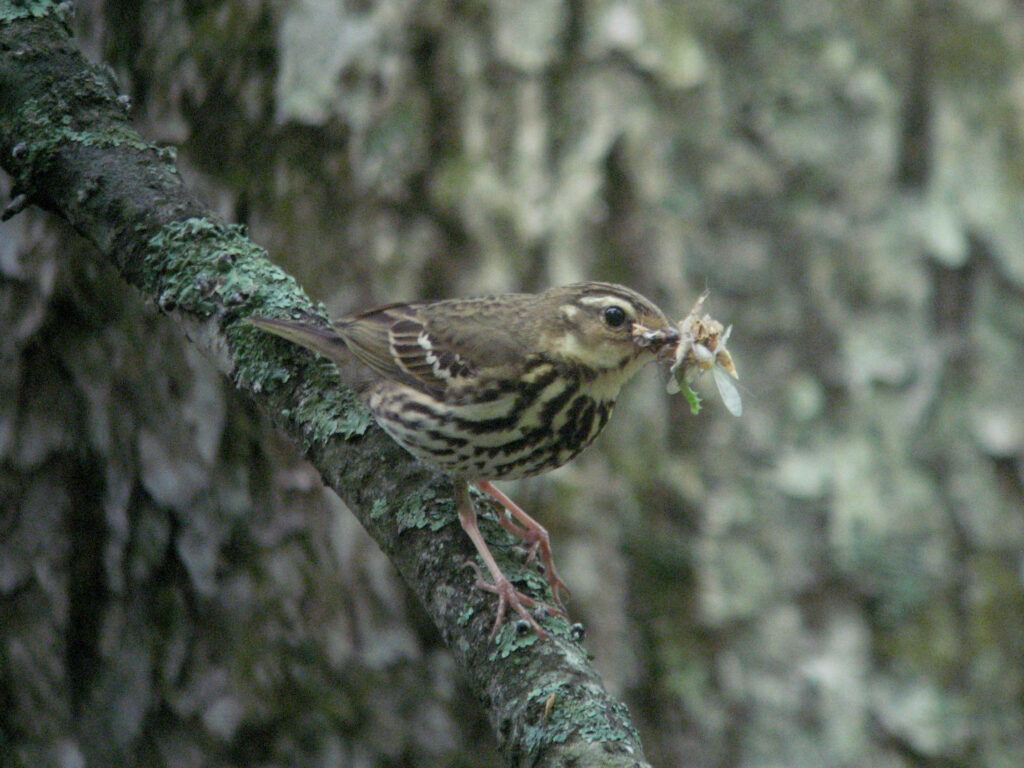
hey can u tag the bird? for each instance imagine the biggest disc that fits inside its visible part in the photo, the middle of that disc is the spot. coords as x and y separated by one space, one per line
497 387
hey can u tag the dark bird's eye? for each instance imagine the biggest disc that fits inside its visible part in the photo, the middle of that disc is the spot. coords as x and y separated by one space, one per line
614 316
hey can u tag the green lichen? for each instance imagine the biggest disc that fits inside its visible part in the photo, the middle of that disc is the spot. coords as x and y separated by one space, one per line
29 9
333 411
379 508
35 119
554 727
202 265
257 359
425 508
509 640
574 711
600 728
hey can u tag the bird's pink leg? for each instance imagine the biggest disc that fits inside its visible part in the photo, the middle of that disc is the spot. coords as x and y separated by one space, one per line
533 533
508 596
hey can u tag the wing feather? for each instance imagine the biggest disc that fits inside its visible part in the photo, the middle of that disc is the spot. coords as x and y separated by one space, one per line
397 341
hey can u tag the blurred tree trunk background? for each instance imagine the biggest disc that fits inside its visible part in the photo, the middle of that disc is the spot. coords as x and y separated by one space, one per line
834 579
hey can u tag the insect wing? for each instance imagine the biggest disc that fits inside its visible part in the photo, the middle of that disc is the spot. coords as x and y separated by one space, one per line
730 395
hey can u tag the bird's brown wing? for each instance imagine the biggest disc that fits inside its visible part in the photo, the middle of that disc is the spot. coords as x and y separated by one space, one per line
368 337
437 346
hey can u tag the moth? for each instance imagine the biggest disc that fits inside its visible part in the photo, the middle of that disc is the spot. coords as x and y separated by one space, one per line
702 348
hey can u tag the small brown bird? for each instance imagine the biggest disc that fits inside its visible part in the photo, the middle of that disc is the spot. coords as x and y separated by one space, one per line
497 388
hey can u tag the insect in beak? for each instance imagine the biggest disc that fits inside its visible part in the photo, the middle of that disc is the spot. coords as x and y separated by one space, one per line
702 348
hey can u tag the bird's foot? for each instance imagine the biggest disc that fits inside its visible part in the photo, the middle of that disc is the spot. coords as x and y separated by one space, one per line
510 597
514 519
539 544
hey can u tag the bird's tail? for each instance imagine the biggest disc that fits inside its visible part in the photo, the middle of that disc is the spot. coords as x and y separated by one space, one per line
324 340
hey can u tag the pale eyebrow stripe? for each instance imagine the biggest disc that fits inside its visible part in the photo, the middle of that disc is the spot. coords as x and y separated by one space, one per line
608 301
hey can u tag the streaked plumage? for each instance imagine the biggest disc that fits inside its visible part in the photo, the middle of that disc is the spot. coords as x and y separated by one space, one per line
498 387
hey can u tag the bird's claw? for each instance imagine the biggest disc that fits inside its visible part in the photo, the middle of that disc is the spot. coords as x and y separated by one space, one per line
538 548
510 597
539 544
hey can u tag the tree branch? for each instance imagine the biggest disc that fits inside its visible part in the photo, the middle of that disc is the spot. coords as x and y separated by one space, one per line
66 141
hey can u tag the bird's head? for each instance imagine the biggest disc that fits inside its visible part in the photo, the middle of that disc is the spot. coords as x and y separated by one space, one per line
604 327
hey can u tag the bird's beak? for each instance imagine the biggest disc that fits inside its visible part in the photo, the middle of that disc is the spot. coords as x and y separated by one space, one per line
655 338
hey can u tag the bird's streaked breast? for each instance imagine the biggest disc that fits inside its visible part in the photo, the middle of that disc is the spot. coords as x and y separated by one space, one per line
545 420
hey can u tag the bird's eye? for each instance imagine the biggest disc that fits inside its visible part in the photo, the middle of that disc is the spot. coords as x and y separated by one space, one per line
614 316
